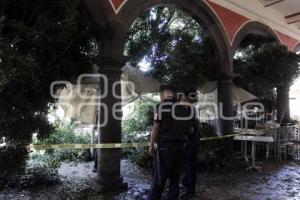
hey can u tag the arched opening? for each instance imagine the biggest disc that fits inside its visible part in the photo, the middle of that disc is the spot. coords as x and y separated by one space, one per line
199 11
250 38
202 14
259 58
169 45
173 47
253 28
111 60
248 78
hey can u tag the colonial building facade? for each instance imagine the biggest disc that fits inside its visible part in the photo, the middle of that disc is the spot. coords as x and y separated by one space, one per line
227 21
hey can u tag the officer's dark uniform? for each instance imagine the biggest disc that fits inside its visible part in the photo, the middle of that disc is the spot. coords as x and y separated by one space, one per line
190 162
170 153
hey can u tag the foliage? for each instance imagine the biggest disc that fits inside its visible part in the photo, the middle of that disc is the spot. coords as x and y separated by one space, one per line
40 169
139 156
213 154
136 129
40 42
207 130
176 46
260 62
65 134
12 162
142 117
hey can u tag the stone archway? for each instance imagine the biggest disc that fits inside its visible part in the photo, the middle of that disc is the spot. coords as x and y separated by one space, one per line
197 10
119 23
111 60
256 28
252 28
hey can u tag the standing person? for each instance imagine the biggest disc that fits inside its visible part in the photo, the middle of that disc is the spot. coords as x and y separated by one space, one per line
95 154
189 180
169 134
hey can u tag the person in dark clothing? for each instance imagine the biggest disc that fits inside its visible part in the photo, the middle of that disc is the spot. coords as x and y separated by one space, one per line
170 135
95 152
189 180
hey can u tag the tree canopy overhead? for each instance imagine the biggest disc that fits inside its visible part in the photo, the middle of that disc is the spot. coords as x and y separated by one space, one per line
176 47
41 41
264 66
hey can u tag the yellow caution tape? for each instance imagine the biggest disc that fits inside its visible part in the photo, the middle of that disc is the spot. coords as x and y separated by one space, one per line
116 145
219 137
88 146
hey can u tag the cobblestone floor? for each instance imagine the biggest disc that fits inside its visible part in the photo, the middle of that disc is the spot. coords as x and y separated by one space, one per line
277 181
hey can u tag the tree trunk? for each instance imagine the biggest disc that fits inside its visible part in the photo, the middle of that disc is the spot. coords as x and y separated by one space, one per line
283 104
225 105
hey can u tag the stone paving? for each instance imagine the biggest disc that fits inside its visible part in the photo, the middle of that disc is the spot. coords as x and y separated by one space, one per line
277 181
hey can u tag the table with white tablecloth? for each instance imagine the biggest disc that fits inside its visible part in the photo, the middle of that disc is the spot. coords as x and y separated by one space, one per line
254 139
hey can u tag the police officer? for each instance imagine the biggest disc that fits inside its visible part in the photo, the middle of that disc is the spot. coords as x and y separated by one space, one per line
189 180
169 133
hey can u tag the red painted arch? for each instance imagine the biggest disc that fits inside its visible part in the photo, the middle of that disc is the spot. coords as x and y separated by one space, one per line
231 21
287 40
117 4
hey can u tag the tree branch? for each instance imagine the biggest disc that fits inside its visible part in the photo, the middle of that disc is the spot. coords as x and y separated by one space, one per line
168 20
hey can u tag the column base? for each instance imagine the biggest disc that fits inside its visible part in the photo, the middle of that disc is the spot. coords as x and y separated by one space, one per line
110 187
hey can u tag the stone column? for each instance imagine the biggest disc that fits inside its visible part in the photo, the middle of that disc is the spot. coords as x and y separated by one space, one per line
108 172
225 103
283 103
